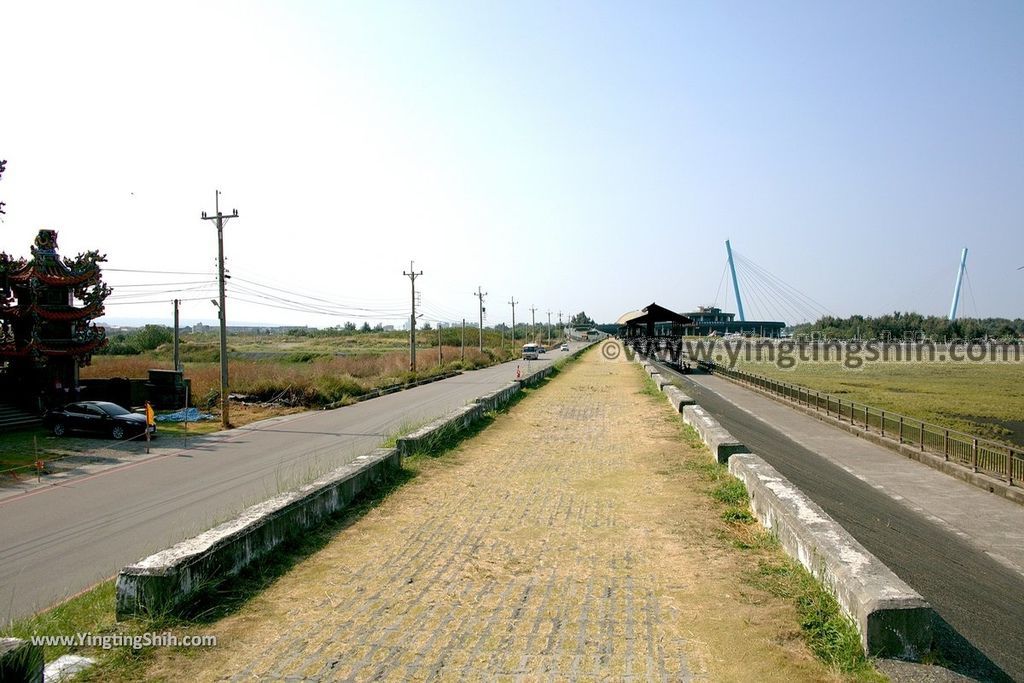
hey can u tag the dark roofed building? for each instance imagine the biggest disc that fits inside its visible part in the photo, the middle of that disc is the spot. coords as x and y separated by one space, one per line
651 321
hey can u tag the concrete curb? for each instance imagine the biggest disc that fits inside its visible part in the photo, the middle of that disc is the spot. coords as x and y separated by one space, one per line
720 442
20 660
427 436
893 619
661 381
170 578
676 398
497 399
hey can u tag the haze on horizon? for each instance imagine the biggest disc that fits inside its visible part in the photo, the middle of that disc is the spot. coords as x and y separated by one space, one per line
577 156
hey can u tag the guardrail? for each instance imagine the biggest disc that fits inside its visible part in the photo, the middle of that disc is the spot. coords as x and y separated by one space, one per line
979 455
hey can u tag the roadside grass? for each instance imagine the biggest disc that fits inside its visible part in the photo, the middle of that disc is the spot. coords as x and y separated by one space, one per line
985 399
829 633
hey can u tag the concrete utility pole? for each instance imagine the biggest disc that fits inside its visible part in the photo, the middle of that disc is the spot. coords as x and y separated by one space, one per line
412 275
221 219
561 328
479 294
513 302
533 324
463 339
177 363
440 352
549 328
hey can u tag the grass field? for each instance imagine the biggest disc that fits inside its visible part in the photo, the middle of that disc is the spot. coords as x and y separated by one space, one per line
306 370
294 372
984 399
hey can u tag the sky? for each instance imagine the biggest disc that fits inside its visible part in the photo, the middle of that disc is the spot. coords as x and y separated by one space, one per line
571 156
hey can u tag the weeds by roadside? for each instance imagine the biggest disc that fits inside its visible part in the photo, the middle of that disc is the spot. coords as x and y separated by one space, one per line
829 633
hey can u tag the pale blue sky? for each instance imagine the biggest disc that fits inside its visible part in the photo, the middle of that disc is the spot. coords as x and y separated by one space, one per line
574 155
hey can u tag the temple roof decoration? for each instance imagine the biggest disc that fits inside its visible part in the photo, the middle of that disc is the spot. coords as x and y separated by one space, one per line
47 301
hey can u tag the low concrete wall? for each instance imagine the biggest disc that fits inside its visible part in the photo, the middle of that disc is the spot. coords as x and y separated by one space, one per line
661 380
170 578
496 399
20 660
720 442
427 436
534 377
893 620
676 398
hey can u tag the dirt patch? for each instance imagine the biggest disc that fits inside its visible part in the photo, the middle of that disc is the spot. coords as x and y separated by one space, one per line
570 540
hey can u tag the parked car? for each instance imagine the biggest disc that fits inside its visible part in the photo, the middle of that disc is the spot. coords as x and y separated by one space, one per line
564 347
96 417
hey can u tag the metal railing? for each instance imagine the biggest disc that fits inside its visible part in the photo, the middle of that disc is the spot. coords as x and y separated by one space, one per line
979 455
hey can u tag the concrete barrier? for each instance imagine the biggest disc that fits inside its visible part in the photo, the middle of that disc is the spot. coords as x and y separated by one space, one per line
496 399
20 660
893 619
427 436
720 442
661 380
534 377
170 578
676 398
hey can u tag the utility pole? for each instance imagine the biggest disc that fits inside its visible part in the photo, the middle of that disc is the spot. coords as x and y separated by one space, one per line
440 353
513 302
479 294
549 328
412 275
177 364
561 329
463 339
221 219
533 324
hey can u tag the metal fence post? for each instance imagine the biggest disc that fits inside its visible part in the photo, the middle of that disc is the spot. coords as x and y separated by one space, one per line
901 429
922 436
945 444
881 422
974 455
1009 467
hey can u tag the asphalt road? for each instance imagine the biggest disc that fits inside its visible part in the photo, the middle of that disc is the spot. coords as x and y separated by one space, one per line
976 597
56 541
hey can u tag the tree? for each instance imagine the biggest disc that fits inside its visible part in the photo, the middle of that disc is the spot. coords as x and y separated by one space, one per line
350 327
581 320
365 327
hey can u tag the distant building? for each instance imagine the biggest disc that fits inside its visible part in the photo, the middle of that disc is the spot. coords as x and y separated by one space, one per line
708 320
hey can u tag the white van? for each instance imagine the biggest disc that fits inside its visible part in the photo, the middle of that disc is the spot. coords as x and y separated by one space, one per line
530 352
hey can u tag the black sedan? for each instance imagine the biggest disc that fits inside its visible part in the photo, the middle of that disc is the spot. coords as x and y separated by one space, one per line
96 417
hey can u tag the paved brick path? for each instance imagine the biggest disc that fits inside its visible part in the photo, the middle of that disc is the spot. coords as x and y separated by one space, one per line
547 548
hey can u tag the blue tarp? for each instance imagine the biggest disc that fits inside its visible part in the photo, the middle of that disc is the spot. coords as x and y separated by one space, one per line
191 414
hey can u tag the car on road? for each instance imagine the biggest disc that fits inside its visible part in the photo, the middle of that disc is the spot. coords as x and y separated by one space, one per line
96 417
564 347
530 352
